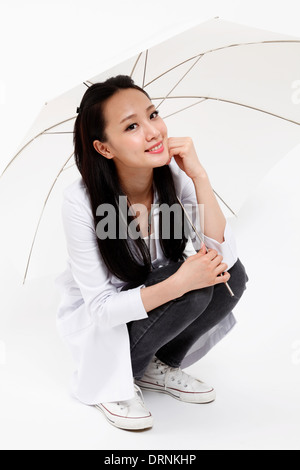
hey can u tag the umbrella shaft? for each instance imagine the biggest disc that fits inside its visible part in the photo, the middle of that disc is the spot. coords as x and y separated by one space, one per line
229 288
202 241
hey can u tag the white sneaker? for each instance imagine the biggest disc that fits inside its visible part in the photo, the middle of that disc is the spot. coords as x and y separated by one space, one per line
160 377
131 414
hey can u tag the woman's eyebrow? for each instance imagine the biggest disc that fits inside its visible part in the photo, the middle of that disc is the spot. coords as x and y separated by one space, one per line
134 115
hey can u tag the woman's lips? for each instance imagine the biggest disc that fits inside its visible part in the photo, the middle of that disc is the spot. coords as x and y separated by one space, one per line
157 149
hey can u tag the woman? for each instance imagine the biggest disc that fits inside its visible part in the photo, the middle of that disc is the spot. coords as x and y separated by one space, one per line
136 309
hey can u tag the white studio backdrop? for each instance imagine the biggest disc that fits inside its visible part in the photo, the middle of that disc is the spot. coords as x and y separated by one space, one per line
46 49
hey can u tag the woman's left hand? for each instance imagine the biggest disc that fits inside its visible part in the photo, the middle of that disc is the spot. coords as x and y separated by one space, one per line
184 153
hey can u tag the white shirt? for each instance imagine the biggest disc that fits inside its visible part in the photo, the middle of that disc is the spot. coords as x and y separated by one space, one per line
93 312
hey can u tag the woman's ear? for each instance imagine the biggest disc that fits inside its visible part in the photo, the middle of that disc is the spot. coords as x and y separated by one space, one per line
102 149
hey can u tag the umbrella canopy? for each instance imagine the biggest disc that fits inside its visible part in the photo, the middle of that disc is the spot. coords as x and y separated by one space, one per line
227 86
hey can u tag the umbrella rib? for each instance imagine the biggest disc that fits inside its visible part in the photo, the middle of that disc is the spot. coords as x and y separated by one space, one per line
56 133
205 98
41 215
180 80
278 41
145 68
172 68
183 109
136 62
225 203
68 167
31 140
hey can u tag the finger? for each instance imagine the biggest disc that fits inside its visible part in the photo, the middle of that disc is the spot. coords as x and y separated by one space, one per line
211 254
222 279
217 261
199 253
175 151
203 250
177 141
221 268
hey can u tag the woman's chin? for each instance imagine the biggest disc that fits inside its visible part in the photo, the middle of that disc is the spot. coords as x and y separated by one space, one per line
161 160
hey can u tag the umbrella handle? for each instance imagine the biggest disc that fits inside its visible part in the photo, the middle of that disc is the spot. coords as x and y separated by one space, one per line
228 287
202 241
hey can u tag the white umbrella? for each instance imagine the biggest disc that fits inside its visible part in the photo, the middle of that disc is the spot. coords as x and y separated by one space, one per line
230 87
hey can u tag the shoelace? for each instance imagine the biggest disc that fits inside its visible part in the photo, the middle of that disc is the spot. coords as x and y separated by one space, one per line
138 396
172 373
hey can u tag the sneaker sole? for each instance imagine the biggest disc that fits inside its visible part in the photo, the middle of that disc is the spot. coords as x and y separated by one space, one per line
204 398
130 424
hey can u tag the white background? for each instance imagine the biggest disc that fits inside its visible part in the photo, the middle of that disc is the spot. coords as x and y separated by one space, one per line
47 48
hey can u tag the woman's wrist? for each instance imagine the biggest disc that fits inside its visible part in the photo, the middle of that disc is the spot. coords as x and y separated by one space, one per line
175 286
158 294
200 177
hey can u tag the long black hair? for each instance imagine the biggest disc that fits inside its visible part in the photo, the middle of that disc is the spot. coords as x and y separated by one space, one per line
100 177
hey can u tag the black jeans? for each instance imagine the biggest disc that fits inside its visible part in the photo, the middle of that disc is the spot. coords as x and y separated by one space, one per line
172 328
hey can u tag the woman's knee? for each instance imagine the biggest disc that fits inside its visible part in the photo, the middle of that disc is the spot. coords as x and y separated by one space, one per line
197 300
238 278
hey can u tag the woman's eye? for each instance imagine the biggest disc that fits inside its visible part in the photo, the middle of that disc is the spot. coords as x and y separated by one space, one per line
155 114
131 127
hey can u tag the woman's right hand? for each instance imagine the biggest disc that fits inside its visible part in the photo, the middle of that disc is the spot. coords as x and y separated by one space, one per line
201 270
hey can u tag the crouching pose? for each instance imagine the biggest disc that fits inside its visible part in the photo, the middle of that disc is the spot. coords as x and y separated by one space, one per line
139 303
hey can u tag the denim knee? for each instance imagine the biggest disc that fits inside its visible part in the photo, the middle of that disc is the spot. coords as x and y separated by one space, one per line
238 278
199 296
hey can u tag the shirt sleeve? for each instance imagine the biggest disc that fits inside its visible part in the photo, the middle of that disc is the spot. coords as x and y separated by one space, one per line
228 248
104 302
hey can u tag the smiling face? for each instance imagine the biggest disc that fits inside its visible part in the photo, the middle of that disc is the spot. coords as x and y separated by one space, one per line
137 136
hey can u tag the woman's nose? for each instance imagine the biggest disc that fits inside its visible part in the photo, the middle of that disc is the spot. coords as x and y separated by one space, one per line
151 132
